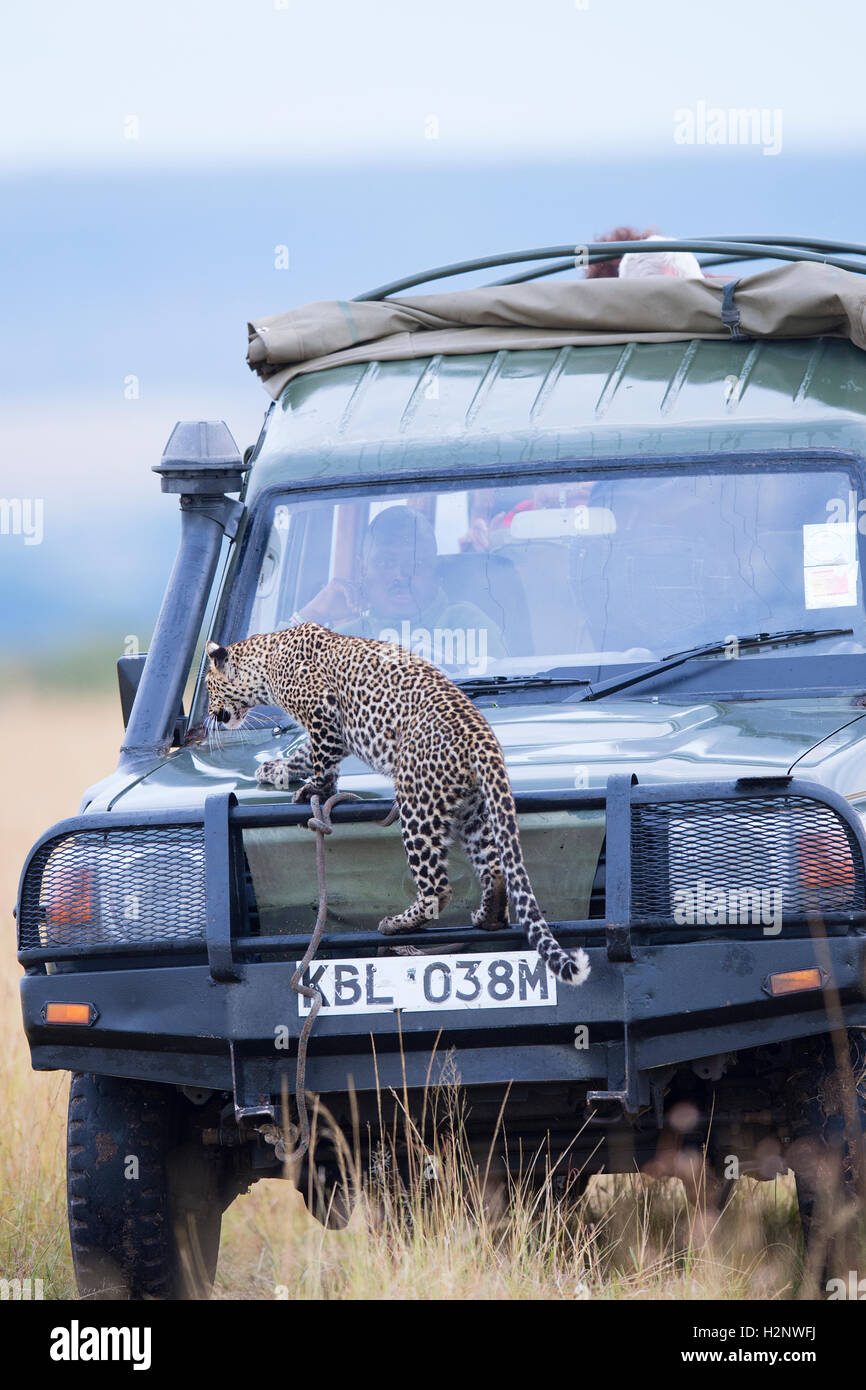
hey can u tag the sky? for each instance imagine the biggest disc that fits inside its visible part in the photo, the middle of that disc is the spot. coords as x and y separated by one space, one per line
219 83
169 171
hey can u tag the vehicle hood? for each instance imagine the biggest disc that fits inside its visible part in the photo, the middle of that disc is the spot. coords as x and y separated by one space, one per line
565 745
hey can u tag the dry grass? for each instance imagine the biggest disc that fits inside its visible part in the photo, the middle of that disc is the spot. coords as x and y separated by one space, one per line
77 738
460 1236
628 1238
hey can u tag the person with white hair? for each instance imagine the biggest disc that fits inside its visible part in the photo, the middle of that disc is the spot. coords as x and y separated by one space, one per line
637 264
681 264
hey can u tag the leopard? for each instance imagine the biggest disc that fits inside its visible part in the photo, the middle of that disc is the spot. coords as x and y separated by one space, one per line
407 720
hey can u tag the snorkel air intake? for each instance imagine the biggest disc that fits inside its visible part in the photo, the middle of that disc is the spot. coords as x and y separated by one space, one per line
201 462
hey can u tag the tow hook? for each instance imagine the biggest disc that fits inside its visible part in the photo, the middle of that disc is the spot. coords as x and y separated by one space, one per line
272 1134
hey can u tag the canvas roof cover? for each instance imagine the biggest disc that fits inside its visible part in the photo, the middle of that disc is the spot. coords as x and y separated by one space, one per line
802 300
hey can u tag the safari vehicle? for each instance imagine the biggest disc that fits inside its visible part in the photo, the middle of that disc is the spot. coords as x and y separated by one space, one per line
626 518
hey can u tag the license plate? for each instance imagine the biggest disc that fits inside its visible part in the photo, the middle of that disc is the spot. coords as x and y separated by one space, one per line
431 984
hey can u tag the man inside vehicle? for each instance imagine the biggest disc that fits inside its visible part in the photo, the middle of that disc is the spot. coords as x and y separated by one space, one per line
399 597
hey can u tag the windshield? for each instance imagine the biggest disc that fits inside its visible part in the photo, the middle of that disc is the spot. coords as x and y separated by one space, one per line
578 570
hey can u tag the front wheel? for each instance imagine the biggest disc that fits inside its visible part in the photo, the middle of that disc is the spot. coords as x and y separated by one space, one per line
145 1196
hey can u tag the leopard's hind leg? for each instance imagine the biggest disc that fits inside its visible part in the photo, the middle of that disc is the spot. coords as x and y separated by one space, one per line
426 825
476 833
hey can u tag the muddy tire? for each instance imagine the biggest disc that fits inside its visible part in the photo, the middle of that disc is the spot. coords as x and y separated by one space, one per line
145 1197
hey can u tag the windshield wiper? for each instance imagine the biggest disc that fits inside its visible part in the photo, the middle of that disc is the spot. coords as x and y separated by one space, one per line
757 639
486 685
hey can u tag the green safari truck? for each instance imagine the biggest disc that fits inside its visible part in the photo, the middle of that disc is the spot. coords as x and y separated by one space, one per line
626 517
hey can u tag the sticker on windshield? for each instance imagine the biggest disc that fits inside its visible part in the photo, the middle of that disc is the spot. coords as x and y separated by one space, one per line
830 564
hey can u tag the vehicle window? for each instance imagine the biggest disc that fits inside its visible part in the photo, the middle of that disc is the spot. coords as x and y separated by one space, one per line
569 571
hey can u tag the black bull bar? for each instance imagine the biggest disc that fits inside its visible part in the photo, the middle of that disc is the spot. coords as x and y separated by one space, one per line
201 1012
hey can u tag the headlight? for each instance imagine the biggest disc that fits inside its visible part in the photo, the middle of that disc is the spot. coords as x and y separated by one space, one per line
136 885
750 861
157 890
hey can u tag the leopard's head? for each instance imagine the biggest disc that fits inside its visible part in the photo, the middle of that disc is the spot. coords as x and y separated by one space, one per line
236 681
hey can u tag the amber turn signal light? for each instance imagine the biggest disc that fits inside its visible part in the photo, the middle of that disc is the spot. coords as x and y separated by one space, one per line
793 981
70 1013
70 899
825 868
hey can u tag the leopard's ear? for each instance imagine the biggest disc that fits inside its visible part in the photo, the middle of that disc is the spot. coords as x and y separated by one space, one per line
217 654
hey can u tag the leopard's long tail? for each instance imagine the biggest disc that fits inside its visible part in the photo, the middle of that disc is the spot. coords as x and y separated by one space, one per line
572 967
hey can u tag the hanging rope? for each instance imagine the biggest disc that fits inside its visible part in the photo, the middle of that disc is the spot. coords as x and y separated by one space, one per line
320 822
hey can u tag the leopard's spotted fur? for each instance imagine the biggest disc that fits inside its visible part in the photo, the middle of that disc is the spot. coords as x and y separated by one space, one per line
403 717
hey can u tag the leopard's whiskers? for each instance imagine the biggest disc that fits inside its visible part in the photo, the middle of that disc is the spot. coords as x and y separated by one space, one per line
214 735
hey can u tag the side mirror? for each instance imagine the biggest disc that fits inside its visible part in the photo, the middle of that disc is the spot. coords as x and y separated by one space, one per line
129 672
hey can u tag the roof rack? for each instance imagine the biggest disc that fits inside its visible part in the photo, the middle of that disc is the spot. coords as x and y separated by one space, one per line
712 251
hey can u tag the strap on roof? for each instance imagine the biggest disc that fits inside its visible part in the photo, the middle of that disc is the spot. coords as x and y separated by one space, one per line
731 314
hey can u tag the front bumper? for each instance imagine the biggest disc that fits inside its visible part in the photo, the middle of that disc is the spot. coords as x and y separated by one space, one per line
220 1019
671 1004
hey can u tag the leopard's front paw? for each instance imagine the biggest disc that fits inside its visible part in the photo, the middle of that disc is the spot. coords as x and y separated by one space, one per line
276 774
